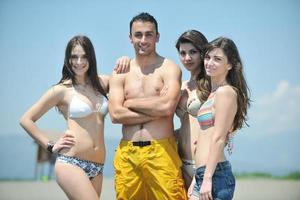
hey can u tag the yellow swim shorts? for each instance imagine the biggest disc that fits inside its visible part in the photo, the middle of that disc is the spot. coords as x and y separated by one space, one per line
148 171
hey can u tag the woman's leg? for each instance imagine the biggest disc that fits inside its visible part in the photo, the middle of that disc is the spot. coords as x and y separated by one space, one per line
74 182
97 183
186 176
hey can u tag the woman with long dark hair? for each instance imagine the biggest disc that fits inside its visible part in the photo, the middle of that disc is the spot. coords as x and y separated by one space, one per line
224 112
191 48
80 96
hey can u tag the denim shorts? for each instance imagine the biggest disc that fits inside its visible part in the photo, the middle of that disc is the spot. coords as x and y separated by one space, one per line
223 182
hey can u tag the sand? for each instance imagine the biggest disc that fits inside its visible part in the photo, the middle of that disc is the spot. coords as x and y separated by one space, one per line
246 189
39 190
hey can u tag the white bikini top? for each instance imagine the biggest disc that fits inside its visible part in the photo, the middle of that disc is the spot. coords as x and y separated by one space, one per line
79 109
193 105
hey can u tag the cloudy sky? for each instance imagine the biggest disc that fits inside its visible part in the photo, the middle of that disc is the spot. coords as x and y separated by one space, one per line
33 36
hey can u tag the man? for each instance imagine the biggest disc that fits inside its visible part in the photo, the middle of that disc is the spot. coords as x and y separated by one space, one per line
144 100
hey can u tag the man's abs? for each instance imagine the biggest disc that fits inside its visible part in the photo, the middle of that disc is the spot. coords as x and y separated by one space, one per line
153 130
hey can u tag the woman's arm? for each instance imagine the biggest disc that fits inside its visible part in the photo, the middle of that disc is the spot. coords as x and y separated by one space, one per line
122 65
50 99
225 107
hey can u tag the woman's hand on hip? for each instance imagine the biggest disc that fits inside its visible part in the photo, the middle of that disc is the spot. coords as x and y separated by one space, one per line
206 188
65 141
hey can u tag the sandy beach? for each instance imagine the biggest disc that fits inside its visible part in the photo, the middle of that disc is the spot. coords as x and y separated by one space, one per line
247 189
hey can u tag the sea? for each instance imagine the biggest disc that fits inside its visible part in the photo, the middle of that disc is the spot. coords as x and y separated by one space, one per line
18 156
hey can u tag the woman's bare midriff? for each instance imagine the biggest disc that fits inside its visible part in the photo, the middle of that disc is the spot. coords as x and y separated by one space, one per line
187 136
203 147
89 137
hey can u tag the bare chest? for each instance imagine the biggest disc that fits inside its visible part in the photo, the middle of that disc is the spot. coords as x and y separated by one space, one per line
139 85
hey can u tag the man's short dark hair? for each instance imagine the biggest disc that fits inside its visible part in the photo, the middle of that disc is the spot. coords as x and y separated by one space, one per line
144 17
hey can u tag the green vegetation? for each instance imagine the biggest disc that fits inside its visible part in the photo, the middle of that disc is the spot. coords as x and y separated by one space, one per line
256 175
253 175
292 176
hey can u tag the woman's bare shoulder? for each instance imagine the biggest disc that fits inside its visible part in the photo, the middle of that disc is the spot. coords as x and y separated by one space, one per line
226 94
104 80
60 89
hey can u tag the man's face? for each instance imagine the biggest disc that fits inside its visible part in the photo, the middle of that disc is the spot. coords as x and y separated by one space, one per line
143 37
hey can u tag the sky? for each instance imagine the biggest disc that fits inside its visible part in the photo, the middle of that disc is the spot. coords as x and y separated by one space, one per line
34 34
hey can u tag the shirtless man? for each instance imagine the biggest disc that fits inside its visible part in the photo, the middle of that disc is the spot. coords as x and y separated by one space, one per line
147 165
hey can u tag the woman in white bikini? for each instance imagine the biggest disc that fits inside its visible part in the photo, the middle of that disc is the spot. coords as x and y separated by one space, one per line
81 97
190 46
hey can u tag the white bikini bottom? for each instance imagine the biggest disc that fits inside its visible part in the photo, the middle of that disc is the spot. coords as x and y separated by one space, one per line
189 167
